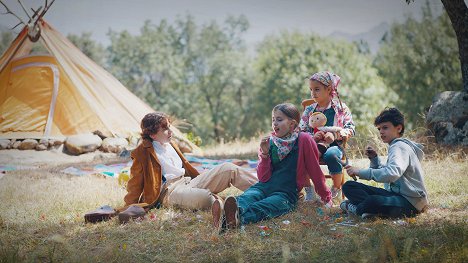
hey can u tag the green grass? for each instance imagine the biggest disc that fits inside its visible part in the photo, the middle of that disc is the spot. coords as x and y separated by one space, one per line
41 220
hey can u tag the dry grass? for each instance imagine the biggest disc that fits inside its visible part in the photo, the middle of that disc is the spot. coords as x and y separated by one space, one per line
41 219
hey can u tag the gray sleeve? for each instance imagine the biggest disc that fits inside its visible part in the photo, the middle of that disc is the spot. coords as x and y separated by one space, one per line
398 161
375 163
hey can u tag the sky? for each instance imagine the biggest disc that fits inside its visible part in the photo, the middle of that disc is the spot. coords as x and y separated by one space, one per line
265 16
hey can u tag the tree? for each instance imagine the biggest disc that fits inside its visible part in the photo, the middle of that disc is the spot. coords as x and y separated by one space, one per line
189 71
418 63
286 61
458 13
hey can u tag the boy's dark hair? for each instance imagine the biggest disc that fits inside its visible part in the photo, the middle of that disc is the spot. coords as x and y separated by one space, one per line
392 115
289 110
152 123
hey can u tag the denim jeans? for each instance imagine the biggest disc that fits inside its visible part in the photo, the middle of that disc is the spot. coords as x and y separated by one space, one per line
332 157
255 205
374 200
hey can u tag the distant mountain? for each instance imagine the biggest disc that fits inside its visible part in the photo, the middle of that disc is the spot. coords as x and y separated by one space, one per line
372 37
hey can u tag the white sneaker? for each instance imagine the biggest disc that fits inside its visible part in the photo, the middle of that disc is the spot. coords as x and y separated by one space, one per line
310 195
329 205
336 193
347 207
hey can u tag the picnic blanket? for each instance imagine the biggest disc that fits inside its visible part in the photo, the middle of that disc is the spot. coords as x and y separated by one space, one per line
114 170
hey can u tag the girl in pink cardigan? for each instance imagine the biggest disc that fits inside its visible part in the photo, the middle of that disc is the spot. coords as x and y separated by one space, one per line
287 159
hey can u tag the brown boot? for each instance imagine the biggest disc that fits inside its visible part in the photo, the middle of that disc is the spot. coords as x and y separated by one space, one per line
103 213
132 212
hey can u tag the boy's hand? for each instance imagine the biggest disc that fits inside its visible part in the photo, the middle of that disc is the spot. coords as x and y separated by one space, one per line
352 171
265 144
370 152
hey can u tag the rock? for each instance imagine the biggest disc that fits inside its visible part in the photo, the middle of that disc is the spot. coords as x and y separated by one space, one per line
4 143
448 118
114 145
55 142
82 143
44 141
28 144
16 145
12 142
57 148
41 147
133 140
100 134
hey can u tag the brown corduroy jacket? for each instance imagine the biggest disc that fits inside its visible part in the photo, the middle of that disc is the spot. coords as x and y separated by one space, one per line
144 186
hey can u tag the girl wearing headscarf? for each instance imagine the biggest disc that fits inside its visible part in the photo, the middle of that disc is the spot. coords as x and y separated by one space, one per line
324 90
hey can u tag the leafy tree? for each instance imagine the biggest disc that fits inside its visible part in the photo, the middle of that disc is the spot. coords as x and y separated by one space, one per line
286 61
188 71
89 47
419 60
458 13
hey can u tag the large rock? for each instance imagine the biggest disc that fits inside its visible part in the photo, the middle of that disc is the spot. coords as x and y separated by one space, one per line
82 143
28 144
4 143
448 118
114 145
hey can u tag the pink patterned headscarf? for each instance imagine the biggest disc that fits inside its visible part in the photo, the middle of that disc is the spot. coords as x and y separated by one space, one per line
328 79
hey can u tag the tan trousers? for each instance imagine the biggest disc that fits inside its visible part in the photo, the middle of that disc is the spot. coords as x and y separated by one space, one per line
198 193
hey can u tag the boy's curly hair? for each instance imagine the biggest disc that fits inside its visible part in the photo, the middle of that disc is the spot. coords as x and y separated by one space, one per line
152 123
392 115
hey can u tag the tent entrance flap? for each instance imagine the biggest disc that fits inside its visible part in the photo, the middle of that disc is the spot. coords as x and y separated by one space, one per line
31 97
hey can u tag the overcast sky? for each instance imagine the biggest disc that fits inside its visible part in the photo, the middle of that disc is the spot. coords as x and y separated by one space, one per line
265 16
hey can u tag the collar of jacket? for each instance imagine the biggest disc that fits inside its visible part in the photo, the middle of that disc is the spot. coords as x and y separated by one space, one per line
149 144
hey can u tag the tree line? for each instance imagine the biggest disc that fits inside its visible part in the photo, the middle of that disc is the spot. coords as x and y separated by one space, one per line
205 76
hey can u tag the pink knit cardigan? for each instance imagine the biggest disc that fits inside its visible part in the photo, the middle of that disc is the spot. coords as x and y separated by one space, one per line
307 167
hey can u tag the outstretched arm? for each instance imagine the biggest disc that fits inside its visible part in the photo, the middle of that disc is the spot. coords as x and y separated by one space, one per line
398 162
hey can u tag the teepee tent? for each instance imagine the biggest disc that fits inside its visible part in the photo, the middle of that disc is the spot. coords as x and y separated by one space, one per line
62 92
49 88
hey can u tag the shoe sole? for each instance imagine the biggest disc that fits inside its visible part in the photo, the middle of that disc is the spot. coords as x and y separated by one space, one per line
231 211
217 214
95 218
124 218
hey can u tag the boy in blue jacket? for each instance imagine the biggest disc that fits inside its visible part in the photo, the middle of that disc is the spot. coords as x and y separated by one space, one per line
404 193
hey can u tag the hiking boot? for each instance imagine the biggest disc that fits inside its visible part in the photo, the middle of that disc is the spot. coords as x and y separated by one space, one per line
219 220
231 211
103 213
347 207
132 212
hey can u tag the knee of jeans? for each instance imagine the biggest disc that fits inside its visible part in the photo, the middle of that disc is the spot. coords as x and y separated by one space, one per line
228 167
348 185
329 157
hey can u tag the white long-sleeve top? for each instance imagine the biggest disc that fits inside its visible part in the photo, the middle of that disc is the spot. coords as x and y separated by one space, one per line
171 164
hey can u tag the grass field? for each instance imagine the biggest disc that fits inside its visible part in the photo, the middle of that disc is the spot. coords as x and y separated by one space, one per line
41 220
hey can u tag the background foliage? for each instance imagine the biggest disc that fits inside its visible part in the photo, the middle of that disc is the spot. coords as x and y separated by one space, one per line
205 76
419 59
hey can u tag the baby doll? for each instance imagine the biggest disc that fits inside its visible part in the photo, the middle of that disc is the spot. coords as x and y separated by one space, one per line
323 135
